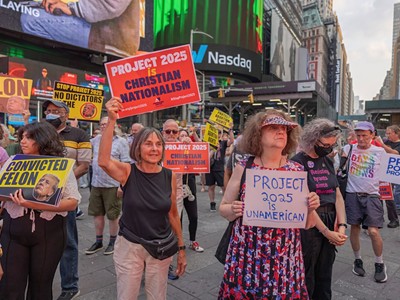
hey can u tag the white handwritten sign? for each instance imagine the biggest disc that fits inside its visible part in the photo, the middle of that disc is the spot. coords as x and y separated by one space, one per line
390 168
276 199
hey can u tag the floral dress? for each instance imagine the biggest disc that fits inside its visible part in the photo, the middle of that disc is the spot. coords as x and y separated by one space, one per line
264 263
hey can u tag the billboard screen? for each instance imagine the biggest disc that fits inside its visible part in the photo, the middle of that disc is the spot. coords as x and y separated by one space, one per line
235 27
112 27
44 75
284 50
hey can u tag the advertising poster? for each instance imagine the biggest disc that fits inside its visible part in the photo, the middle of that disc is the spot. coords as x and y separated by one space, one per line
221 118
84 103
211 135
154 81
15 94
187 157
385 191
276 199
41 178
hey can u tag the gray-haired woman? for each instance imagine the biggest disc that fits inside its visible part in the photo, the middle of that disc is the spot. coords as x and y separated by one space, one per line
317 141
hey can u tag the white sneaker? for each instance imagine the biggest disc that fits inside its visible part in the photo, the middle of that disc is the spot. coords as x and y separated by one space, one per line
196 247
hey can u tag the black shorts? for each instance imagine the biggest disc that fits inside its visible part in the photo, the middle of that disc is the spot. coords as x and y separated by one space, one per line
215 177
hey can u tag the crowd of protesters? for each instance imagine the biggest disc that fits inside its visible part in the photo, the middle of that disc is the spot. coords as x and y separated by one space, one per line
144 201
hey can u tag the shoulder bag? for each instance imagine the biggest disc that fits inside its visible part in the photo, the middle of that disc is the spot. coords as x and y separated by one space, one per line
223 245
342 174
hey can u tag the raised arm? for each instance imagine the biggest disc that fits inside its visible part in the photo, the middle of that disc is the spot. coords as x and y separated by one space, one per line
115 169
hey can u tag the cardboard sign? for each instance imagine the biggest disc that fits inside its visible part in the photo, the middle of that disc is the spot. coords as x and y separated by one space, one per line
211 135
84 103
15 94
385 191
221 118
41 178
390 168
187 157
276 199
154 81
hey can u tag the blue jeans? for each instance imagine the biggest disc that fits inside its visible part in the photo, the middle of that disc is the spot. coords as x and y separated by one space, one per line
69 260
65 29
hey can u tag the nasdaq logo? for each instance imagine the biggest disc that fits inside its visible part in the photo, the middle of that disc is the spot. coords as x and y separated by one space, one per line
199 56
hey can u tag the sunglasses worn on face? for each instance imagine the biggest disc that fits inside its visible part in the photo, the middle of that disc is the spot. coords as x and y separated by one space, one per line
169 131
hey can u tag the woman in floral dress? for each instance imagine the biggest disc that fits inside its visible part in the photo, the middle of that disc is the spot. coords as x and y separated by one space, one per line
264 263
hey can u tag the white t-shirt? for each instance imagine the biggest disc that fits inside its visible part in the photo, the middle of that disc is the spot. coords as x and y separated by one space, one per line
363 169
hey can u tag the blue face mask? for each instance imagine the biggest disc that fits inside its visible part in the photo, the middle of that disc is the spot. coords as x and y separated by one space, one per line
54 120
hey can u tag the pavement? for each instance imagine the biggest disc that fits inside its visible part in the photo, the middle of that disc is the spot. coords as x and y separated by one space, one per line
204 273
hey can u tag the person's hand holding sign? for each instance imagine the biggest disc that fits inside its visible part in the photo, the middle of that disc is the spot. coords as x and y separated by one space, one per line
113 106
237 208
312 201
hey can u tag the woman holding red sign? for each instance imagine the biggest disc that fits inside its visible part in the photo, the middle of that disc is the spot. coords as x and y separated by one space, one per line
261 262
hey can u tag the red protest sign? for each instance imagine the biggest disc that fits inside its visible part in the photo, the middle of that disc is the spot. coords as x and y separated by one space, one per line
187 157
385 190
154 81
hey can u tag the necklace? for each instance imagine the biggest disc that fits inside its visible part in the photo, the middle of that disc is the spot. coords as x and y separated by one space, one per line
280 162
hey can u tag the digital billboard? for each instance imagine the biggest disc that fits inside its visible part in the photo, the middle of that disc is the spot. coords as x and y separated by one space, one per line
284 50
235 27
44 75
113 27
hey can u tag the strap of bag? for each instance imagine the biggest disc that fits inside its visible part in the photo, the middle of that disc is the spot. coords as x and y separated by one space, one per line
249 163
2 206
347 161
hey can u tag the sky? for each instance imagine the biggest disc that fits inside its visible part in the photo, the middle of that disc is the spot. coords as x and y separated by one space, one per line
367 28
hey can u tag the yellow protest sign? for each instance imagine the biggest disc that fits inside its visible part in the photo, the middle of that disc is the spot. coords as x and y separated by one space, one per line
211 135
41 178
14 94
84 103
221 118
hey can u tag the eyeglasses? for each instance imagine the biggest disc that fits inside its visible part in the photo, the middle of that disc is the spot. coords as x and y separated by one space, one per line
54 111
103 124
169 131
327 145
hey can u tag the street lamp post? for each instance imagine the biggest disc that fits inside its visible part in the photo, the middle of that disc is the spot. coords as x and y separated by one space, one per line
185 111
203 96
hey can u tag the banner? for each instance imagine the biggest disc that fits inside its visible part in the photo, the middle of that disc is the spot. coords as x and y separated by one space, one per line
41 178
84 103
187 157
154 81
15 94
221 118
276 199
390 168
211 135
385 191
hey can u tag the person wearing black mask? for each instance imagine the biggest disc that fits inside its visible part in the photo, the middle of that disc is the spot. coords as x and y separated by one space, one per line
77 143
317 141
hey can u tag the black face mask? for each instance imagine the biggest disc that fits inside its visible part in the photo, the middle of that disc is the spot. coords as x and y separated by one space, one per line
55 122
322 151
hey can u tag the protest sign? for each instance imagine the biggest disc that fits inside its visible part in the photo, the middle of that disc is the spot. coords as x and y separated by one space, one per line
385 191
390 168
41 178
276 199
154 81
15 94
221 118
211 135
187 157
84 103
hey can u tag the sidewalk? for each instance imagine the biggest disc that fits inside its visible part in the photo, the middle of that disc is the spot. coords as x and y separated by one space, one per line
204 272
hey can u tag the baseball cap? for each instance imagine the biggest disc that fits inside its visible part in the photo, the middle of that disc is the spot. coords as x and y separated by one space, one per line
56 103
277 120
364 125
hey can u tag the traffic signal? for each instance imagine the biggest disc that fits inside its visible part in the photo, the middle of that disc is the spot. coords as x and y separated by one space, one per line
221 93
251 98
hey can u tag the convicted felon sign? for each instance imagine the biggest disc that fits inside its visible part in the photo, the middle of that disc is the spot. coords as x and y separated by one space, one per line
154 81
276 199
187 157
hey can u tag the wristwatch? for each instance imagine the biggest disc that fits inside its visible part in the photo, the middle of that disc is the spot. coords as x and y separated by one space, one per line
1 251
342 224
181 248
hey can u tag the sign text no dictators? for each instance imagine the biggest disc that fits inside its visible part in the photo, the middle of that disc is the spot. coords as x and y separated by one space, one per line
154 81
